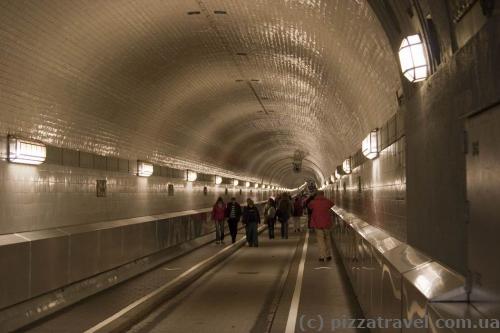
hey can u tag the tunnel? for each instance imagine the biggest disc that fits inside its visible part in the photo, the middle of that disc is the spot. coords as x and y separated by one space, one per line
249 166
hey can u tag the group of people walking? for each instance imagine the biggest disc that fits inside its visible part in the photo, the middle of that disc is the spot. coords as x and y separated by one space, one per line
279 210
250 217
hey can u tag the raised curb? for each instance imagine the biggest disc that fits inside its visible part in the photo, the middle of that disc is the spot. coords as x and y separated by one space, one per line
134 312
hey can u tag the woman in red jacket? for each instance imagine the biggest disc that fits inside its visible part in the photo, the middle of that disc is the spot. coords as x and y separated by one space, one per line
321 221
218 215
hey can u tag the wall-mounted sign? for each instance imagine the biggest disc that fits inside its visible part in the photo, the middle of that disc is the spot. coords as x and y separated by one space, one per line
101 188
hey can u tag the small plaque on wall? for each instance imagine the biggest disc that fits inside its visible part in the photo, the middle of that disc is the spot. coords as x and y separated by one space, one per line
170 189
101 188
205 190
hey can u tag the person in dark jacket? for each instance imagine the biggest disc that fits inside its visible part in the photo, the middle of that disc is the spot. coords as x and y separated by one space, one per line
233 215
309 210
218 214
298 211
251 219
284 211
270 216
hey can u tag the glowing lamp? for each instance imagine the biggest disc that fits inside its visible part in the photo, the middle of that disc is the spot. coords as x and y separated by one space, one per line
218 180
247 184
26 151
235 182
256 185
412 59
191 176
346 166
337 174
369 147
144 169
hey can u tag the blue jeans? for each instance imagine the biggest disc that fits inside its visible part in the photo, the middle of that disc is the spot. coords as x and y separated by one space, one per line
219 230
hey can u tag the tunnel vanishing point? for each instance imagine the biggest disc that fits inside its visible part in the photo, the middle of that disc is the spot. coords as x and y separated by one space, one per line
123 121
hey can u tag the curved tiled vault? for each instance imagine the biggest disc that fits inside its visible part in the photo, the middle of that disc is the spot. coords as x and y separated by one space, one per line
226 86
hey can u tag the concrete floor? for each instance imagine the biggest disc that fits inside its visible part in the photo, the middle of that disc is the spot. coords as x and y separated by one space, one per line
235 297
88 312
251 291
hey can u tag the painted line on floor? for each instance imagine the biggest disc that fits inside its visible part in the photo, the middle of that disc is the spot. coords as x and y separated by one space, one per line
152 294
294 307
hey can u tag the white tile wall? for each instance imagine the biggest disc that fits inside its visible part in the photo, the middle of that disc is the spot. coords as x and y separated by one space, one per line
49 196
145 80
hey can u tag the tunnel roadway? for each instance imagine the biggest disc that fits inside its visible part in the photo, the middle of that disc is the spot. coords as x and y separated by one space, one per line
278 287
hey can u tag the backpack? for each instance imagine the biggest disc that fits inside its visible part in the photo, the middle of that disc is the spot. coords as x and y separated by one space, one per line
271 213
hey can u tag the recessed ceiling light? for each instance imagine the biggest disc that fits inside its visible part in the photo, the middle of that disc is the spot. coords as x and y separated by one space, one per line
194 12
220 12
255 80
239 80
241 53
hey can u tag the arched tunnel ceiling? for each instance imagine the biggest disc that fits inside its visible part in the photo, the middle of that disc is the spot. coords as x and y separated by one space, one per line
231 93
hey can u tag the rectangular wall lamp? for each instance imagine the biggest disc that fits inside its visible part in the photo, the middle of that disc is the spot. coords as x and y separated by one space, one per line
346 166
369 147
25 151
191 176
144 169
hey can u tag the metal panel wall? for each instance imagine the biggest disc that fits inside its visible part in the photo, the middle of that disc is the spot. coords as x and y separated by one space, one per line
391 279
37 262
53 196
382 199
14 269
483 193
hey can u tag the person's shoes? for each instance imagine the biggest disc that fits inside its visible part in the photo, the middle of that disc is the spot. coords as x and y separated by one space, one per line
322 259
329 258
